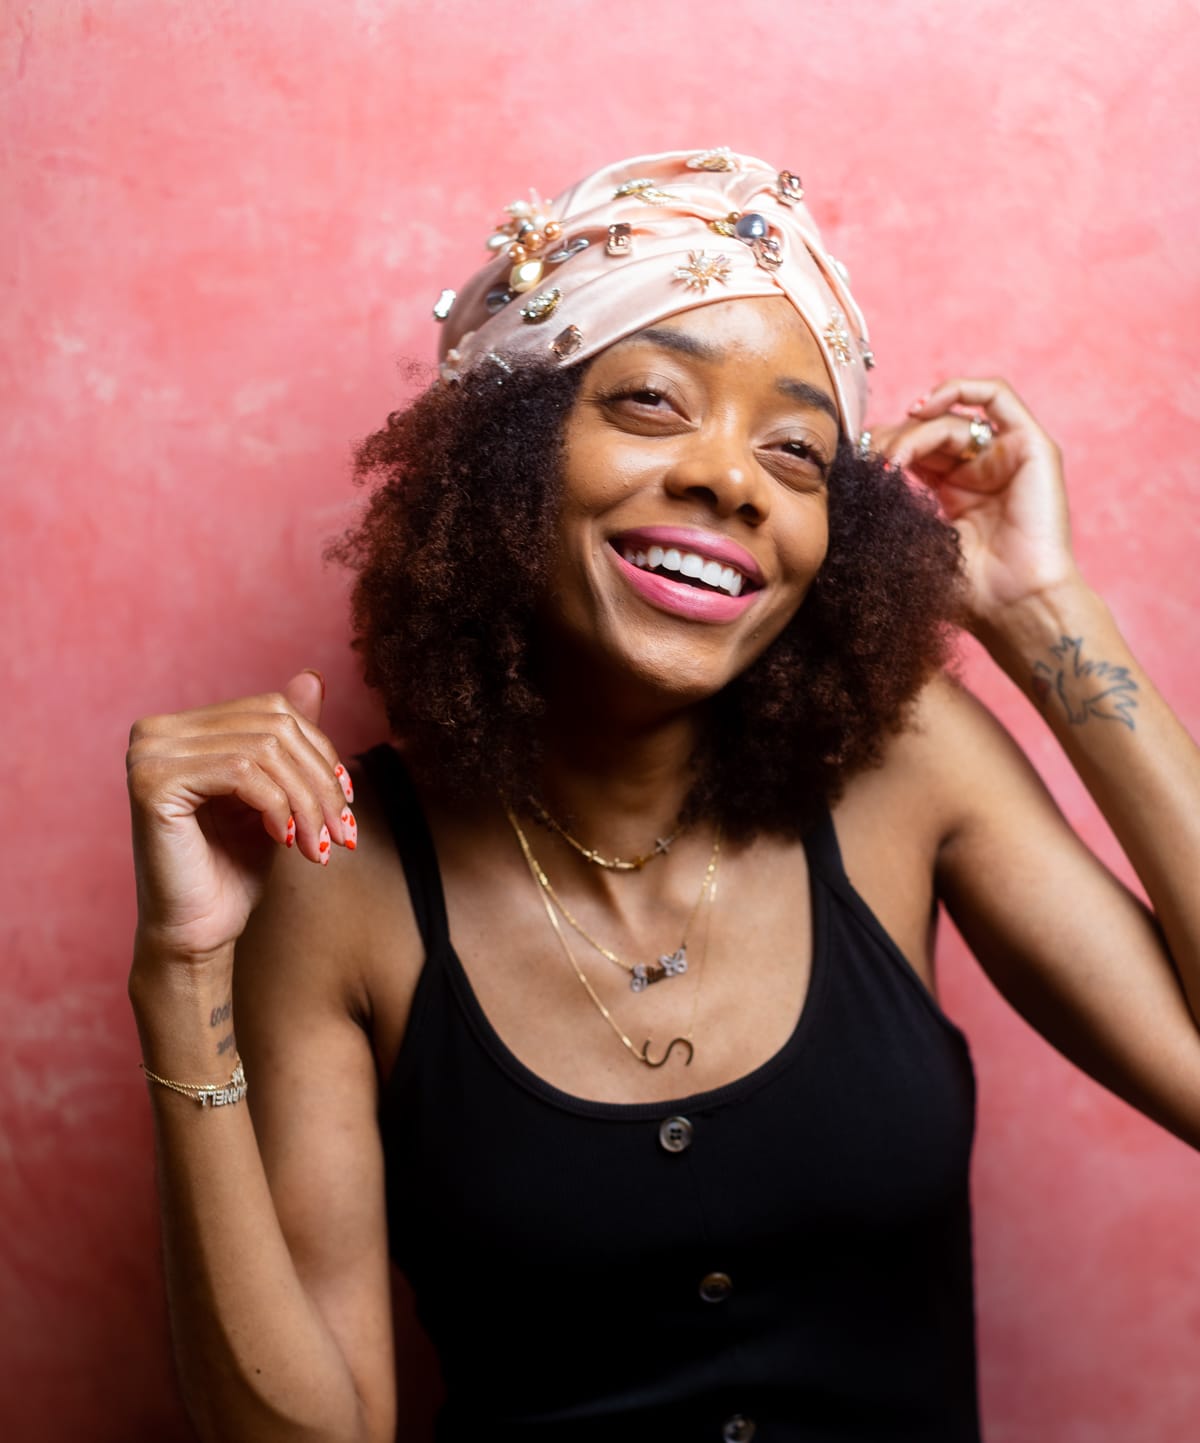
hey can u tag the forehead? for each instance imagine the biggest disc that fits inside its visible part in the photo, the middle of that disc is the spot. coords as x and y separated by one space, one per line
765 330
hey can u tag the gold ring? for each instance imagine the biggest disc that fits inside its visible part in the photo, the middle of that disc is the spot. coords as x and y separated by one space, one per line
980 436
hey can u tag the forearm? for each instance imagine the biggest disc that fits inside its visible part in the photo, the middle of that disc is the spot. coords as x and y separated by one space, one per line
255 1359
1065 652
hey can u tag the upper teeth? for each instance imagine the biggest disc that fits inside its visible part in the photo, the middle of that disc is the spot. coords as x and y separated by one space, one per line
687 563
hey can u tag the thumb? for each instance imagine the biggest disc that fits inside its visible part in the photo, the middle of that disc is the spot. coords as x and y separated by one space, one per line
306 692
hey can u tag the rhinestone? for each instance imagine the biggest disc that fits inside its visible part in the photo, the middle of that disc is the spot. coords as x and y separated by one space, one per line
647 190
620 239
567 342
580 243
496 300
788 187
441 307
751 226
541 307
767 252
864 444
726 227
837 339
868 356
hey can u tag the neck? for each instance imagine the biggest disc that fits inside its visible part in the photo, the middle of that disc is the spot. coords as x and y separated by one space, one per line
618 784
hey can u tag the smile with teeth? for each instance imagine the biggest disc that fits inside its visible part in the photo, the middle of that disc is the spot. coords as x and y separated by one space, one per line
686 566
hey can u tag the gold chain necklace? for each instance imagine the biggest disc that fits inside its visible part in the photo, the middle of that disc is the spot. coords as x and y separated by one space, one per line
642 1055
662 845
641 974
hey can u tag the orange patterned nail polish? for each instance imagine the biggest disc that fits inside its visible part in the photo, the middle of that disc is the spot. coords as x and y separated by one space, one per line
323 846
343 776
290 835
351 829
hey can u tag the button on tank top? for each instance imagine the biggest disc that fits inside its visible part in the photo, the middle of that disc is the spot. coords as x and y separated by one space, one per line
786 1258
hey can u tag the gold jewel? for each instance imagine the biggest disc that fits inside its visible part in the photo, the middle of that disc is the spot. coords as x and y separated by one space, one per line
727 226
647 190
207 1094
702 269
643 1055
979 437
720 158
662 845
837 338
541 307
641 974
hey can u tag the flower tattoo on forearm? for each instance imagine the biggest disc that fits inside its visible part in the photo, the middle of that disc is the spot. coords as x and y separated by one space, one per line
1086 689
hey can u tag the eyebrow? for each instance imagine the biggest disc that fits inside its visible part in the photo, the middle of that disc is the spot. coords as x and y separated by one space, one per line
802 391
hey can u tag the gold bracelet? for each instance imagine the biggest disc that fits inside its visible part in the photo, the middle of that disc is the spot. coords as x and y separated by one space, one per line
207 1094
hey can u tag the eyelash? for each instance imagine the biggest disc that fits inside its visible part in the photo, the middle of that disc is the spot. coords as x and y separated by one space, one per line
803 450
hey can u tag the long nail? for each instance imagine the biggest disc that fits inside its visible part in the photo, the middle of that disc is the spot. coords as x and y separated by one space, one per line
918 405
323 846
343 776
349 830
289 838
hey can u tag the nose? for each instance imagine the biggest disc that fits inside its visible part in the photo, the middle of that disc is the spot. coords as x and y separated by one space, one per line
720 471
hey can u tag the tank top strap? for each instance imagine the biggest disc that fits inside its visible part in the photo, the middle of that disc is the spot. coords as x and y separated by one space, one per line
825 855
387 773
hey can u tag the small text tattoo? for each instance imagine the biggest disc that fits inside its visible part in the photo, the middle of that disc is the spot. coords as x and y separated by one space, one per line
1085 688
220 1014
225 1043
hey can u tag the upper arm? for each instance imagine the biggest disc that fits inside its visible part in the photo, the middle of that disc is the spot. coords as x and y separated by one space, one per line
312 1095
1068 945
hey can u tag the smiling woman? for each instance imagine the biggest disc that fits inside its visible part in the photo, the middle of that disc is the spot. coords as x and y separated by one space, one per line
620 1033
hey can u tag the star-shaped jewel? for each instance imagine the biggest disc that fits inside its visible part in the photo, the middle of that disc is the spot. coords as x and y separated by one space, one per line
837 338
702 269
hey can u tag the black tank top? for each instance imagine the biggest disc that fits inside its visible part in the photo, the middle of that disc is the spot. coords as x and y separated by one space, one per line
786 1258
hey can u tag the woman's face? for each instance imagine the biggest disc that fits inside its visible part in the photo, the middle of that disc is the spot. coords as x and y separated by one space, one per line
694 503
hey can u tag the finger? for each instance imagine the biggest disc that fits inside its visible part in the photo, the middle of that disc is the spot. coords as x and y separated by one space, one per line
313 793
305 692
994 396
167 789
944 444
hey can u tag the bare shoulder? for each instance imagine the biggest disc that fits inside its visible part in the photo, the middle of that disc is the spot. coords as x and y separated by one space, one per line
895 820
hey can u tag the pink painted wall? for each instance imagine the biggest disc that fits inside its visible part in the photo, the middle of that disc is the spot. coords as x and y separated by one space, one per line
221 226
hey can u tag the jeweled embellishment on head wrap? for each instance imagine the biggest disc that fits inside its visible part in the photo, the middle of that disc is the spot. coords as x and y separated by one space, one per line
567 342
541 307
441 307
647 190
631 240
837 338
719 159
702 269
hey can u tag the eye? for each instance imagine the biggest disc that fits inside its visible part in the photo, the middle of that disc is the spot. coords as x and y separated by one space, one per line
640 395
804 450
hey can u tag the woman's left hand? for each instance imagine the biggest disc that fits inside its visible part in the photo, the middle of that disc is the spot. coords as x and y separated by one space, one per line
1004 496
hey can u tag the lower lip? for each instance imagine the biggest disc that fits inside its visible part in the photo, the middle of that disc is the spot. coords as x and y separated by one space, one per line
679 598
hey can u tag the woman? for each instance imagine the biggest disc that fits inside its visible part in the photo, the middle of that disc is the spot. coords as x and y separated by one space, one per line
673 1140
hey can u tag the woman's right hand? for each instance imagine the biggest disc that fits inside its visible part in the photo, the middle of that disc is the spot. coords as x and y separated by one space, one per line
213 792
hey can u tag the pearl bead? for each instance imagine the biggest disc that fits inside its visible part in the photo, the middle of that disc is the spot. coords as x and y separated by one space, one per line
517 254
525 276
751 226
552 230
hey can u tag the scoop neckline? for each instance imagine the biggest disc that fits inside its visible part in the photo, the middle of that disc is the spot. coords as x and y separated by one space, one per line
724 1095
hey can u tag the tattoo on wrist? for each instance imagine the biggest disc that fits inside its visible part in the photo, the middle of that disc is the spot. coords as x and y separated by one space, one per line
1084 689
225 1044
221 1014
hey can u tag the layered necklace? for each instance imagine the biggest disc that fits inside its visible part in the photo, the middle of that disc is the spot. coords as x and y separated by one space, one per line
641 974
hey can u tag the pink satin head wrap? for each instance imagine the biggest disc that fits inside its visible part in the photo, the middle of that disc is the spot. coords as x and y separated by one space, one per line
645 239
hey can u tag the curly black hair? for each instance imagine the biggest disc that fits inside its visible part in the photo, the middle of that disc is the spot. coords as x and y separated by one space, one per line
452 556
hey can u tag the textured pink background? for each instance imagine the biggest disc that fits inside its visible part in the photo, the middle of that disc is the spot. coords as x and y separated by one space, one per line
222 224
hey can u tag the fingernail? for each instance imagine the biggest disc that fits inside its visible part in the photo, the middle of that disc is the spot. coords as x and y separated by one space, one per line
343 776
289 838
314 672
350 830
918 404
323 846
